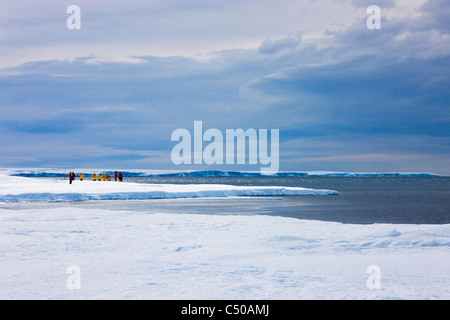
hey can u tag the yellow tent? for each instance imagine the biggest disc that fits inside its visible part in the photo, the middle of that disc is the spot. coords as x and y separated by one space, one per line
81 176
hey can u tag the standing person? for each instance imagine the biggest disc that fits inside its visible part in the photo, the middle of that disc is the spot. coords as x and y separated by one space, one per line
115 176
120 176
70 178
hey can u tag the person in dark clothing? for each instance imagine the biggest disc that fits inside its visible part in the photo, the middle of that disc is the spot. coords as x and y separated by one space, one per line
120 176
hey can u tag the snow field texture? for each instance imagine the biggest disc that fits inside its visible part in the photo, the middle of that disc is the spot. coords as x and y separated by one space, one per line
129 255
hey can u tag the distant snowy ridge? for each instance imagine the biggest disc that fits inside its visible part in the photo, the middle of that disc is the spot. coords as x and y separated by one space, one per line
160 194
210 173
19 189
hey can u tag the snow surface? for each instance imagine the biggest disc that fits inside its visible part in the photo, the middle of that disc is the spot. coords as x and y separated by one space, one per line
20 189
145 255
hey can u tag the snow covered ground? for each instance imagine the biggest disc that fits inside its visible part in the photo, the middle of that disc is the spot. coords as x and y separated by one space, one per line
131 255
20 189
72 253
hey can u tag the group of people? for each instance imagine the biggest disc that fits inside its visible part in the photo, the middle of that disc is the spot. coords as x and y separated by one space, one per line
107 177
100 177
72 176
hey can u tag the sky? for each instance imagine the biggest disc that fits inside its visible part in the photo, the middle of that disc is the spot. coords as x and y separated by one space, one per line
344 97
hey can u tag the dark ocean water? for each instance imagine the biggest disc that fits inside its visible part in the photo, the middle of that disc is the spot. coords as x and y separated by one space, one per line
362 200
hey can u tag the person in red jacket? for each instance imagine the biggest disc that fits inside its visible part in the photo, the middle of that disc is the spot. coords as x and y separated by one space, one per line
120 176
115 176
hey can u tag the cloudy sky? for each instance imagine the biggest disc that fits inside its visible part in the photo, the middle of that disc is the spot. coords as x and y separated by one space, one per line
109 95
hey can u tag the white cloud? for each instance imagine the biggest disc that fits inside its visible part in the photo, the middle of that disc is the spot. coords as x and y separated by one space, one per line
36 30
